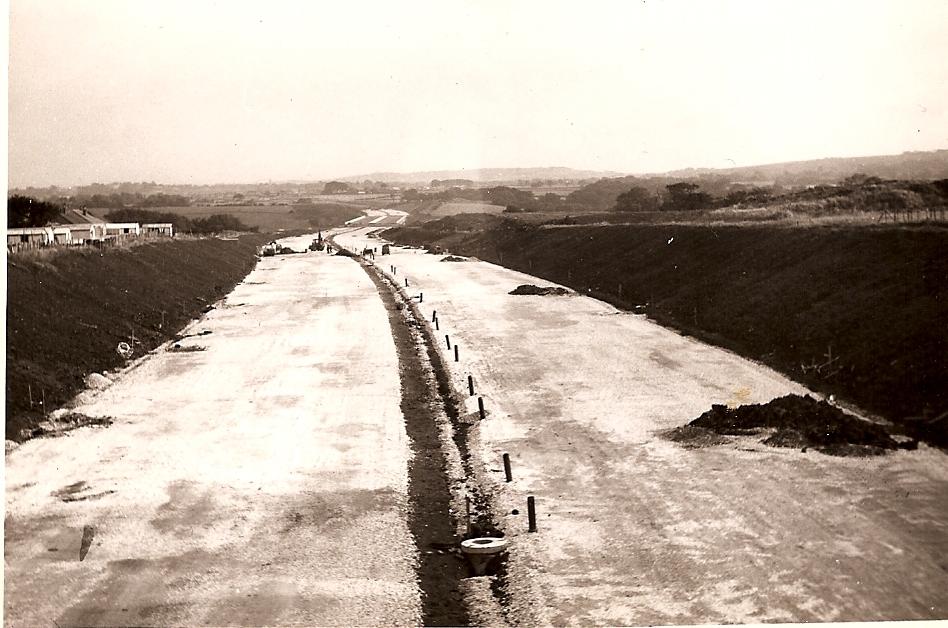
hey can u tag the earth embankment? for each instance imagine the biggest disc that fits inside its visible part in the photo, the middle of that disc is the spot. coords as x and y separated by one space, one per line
68 312
857 312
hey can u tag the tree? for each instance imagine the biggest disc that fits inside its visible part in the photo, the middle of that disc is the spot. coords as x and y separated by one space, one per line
685 196
859 179
217 223
636 199
600 195
164 200
504 195
755 196
24 211
336 187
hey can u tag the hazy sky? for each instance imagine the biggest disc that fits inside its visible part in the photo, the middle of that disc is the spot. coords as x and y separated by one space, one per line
203 92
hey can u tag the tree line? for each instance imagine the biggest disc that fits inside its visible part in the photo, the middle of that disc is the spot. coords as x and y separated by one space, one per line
122 200
24 211
215 223
857 192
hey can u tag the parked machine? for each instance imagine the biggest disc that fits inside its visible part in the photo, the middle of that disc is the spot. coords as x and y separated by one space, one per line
269 249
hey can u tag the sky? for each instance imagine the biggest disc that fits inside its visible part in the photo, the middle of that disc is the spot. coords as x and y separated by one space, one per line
213 92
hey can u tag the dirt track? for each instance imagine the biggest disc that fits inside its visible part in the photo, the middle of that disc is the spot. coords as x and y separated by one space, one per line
260 481
637 530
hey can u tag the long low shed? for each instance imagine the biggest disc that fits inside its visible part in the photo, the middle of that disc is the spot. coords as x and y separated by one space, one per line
39 235
82 233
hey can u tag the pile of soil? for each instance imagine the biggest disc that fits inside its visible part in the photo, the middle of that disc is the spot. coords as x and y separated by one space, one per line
454 258
853 311
530 289
800 422
176 348
65 423
67 313
693 437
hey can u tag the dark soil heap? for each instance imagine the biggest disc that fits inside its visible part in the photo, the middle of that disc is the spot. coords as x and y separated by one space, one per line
800 422
529 289
67 313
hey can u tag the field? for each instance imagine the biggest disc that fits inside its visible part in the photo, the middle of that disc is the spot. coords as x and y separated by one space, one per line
452 208
272 218
559 190
422 211
854 311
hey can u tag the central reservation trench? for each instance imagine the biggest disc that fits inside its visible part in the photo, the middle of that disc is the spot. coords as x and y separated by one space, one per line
430 517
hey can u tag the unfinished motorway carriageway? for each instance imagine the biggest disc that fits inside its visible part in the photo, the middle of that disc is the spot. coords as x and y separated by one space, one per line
313 460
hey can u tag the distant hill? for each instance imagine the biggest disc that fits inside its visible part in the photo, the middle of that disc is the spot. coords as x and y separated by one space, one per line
484 174
909 165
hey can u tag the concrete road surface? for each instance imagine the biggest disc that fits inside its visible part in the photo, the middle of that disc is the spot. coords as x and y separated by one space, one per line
259 481
379 218
637 530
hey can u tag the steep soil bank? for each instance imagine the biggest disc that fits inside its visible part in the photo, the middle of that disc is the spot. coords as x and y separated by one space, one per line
66 314
858 312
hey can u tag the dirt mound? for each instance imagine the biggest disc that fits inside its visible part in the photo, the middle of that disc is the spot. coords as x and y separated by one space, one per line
800 422
530 289
177 348
694 437
454 258
61 424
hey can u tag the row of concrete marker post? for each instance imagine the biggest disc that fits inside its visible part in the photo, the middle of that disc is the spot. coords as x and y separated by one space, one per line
482 413
508 472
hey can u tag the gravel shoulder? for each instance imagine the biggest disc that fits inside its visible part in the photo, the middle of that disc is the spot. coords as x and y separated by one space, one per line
634 529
